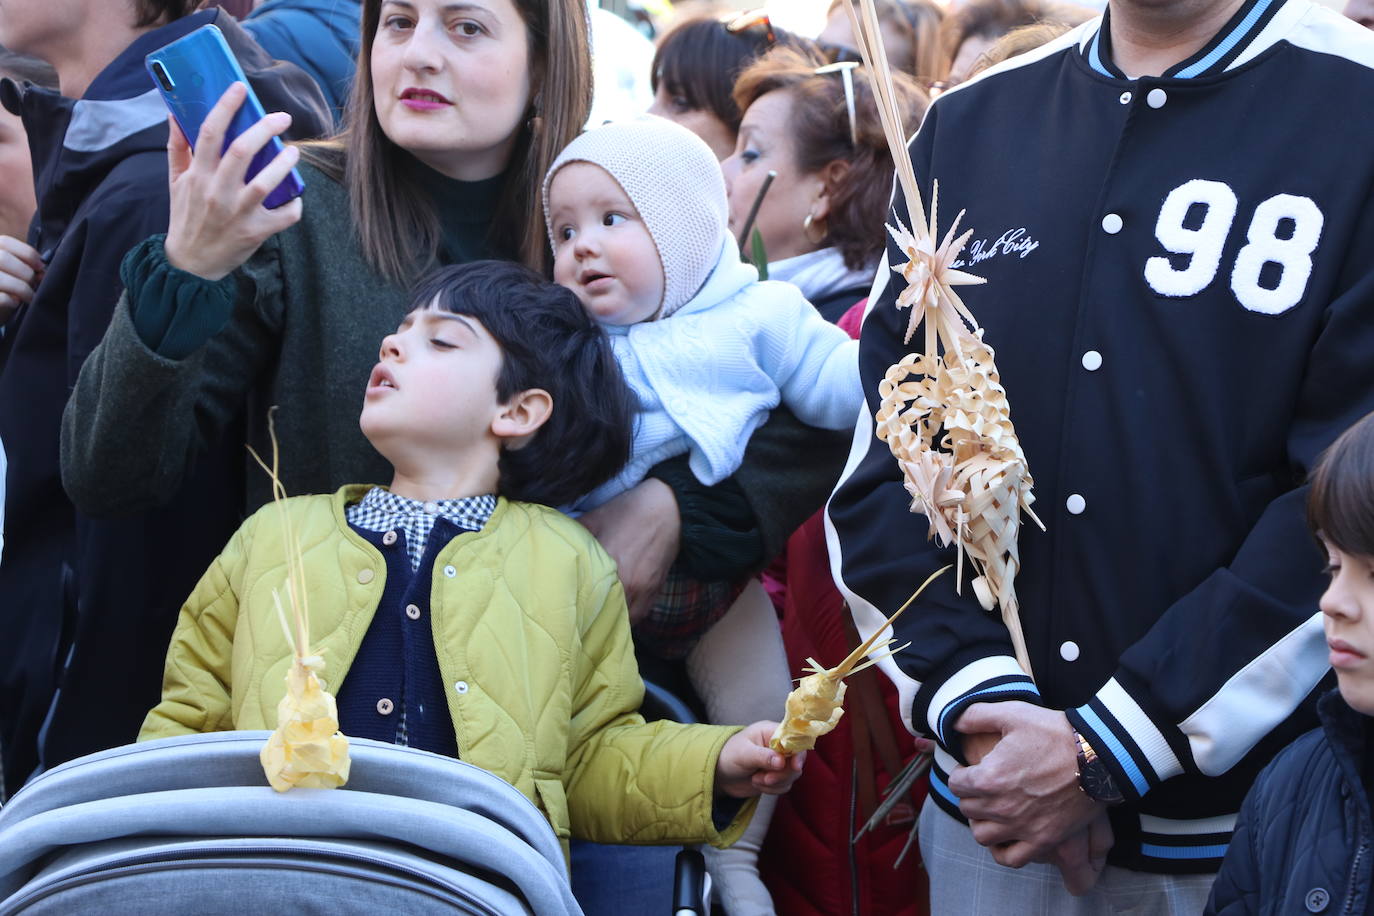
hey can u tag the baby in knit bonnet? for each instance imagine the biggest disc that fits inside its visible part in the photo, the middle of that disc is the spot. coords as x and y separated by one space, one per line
637 217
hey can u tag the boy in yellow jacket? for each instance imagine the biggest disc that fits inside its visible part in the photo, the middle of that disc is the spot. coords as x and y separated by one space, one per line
456 612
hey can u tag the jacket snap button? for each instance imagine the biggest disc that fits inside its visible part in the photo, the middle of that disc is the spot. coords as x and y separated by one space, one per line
1125 98
412 612
1075 504
389 538
450 571
1317 900
385 706
461 687
365 576
1156 98
1112 223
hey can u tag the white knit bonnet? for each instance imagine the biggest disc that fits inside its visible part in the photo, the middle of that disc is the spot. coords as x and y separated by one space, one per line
674 181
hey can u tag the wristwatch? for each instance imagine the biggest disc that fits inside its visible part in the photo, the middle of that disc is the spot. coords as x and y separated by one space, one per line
1093 776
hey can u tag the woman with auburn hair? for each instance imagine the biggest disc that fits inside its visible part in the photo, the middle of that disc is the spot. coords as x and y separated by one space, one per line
455 115
817 128
911 38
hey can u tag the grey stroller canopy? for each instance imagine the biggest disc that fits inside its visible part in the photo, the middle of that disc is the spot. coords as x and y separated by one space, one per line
189 825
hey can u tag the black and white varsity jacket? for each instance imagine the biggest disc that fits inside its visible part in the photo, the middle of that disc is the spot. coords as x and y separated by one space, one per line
1181 298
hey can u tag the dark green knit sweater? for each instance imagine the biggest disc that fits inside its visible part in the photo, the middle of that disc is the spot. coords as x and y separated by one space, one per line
298 327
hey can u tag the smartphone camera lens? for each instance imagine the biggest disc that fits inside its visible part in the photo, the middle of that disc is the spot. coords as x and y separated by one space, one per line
160 73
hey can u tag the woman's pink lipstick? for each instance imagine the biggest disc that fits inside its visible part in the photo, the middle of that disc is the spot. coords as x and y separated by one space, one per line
423 99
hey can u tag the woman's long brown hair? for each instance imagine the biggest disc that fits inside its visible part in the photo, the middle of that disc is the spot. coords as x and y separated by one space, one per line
393 215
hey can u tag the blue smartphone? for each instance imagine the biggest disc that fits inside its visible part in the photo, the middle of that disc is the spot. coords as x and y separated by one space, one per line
192 73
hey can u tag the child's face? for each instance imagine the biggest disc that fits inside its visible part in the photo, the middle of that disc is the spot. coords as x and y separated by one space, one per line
602 250
434 387
1348 609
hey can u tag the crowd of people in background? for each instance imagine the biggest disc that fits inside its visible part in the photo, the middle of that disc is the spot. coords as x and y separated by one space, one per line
678 431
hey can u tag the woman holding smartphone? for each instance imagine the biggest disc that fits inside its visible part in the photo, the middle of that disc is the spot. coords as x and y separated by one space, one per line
457 111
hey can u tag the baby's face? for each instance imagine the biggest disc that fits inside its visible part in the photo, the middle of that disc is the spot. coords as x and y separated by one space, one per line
602 250
1348 612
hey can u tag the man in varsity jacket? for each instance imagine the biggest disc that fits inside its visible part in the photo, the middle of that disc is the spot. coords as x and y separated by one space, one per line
1171 206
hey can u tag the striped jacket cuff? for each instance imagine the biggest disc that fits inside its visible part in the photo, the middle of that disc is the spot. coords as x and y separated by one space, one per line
986 680
1132 746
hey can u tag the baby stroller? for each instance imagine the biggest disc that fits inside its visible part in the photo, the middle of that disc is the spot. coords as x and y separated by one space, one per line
188 825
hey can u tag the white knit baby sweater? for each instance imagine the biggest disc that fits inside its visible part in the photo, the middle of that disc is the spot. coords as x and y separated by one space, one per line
707 375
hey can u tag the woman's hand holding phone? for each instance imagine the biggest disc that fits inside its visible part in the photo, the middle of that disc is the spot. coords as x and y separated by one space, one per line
217 220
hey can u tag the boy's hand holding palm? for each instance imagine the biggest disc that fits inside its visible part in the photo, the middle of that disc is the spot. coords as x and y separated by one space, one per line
748 766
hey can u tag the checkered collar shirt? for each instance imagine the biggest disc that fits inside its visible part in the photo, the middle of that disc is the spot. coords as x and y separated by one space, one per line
382 510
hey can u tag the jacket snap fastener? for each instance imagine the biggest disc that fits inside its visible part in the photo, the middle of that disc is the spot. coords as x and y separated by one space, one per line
1125 98
365 576
389 538
1075 504
385 706
461 687
1112 223
450 571
1156 98
1317 900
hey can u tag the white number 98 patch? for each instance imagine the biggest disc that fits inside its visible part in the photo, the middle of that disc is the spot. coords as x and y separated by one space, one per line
1291 254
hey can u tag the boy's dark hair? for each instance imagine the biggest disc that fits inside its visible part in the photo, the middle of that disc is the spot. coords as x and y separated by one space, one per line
547 341
161 12
1340 504
699 60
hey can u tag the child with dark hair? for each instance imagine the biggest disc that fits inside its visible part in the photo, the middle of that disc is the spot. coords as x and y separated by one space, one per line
461 619
1304 841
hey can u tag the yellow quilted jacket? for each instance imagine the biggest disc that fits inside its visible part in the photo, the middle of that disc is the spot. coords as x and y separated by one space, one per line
533 642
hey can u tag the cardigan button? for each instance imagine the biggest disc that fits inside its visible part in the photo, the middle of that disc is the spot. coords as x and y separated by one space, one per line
365 575
385 707
1317 900
461 687
412 612
389 538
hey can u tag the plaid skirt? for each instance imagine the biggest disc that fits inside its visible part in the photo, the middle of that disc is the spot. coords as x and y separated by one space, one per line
685 610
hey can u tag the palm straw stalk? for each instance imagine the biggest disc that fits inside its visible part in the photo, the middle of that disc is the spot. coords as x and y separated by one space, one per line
307 749
815 707
944 413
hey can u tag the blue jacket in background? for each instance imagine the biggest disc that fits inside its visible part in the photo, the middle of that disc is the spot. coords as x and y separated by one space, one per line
1305 840
319 36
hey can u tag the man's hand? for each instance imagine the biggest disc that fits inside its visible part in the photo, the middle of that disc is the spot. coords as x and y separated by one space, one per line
641 530
748 766
20 270
1081 858
1023 800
